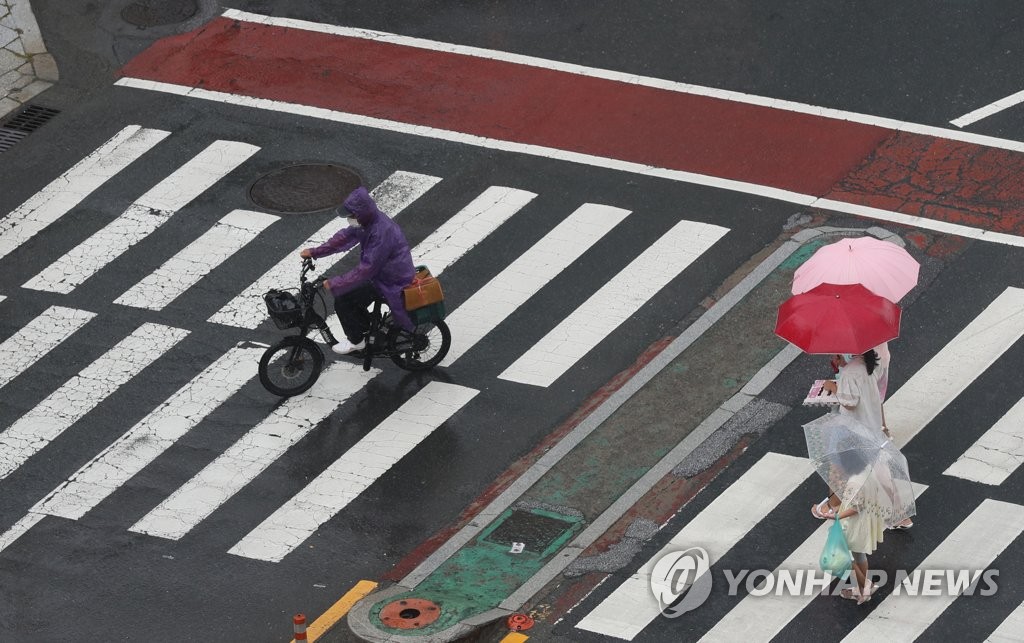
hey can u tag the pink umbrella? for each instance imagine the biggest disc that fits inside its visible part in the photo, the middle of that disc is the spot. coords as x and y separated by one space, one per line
882 267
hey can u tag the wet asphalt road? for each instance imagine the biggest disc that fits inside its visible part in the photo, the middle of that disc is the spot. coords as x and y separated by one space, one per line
84 580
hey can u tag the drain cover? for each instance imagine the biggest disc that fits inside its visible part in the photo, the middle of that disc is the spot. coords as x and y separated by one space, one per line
304 188
535 531
153 13
409 613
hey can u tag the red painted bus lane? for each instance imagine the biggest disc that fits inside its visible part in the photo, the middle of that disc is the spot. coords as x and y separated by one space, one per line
807 154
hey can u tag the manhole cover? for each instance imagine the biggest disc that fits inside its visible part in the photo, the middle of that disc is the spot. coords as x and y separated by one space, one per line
304 188
535 531
153 13
409 613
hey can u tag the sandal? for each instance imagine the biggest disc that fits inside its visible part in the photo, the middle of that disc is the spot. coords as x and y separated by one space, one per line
828 513
906 524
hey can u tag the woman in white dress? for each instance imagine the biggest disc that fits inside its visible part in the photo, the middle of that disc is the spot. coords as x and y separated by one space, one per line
856 389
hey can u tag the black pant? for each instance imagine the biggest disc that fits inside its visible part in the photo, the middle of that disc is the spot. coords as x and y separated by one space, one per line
352 311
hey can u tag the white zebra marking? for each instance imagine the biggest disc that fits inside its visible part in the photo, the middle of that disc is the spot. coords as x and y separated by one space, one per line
500 297
973 545
182 271
392 196
37 338
613 304
953 368
253 452
737 510
997 453
144 216
353 472
82 393
469 226
70 188
153 435
1009 630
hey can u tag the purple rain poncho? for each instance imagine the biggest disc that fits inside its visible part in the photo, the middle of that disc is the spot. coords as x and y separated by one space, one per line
385 260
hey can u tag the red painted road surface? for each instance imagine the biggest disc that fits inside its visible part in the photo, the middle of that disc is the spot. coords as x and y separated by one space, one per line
909 173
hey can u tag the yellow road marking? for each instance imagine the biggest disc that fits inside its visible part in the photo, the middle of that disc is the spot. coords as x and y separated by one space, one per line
514 637
339 609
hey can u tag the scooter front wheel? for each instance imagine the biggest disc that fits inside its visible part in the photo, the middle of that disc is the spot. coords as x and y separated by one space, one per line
291 366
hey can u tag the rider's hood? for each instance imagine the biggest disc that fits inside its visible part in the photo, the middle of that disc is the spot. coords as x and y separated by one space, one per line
361 205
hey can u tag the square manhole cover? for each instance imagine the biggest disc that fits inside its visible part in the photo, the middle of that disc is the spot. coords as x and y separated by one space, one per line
536 531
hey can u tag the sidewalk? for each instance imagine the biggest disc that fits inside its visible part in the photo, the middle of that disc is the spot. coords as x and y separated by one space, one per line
584 490
26 69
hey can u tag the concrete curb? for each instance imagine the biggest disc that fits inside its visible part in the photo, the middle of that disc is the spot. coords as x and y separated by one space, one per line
26 68
358 619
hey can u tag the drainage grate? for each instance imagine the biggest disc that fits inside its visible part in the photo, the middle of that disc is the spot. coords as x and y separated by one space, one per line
537 532
304 188
24 123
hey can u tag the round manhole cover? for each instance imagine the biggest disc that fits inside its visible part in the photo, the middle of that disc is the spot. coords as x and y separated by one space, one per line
304 188
153 13
409 613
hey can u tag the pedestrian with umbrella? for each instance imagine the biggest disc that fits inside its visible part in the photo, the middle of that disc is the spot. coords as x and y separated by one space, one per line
882 267
871 478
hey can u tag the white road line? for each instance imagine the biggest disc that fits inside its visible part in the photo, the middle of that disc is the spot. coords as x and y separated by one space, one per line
37 338
82 393
988 110
973 545
807 200
729 517
632 79
760 618
153 435
469 227
253 452
997 453
196 260
18 529
953 368
613 304
247 311
1009 631
144 216
353 472
70 188
499 298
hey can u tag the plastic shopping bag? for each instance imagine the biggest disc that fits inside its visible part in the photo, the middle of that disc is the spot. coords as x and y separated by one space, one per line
836 558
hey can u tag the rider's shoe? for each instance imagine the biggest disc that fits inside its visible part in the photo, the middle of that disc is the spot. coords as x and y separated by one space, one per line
345 347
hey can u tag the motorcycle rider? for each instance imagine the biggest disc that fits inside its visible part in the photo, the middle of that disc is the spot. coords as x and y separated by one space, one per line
385 268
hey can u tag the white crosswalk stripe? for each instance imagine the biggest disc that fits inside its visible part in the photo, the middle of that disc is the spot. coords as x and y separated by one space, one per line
195 261
760 618
141 444
70 188
37 338
353 472
632 606
959 363
525 276
148 213
469 226
254 452
973 545
396 193
997 453
84 392
613 304
1009 631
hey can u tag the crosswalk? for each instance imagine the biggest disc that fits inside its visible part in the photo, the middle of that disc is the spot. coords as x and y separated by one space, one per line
746 506
241 237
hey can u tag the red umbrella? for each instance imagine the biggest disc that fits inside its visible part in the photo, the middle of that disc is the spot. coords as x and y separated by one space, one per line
834 318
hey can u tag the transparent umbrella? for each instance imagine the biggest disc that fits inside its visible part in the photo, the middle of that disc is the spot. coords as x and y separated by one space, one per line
862 466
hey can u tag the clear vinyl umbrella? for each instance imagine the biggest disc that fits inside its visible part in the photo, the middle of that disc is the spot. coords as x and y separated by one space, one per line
862 467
